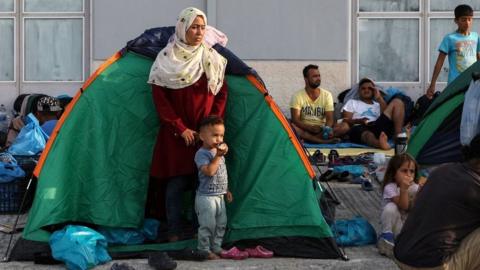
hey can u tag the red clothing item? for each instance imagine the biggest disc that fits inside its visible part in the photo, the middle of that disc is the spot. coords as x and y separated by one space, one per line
179 109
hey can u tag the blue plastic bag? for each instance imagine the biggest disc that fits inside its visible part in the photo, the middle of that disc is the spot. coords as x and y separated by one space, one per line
9 169
354 232
150 228
470 126
131 236
79 247
31 140
354 170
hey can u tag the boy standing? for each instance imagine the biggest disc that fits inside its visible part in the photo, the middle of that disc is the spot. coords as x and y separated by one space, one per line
461 46
213 185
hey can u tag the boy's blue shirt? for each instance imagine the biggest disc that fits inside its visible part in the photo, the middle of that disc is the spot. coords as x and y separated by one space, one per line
461 50
211 185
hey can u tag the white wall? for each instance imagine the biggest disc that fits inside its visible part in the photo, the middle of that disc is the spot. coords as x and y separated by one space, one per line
283 78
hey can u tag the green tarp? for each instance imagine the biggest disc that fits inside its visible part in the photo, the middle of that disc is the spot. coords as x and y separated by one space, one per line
97 170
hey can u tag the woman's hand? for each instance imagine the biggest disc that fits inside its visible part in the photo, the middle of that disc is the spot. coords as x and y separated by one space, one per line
189 136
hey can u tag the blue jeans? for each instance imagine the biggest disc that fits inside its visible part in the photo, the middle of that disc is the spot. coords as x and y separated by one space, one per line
176 186
212 218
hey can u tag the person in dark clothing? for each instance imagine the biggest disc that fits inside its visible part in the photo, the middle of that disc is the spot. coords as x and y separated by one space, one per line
442 230
188 84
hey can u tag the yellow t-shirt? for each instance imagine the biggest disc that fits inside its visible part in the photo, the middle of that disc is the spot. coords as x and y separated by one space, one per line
312 112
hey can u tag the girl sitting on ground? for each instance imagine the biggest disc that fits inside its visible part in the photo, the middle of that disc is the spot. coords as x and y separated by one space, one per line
399 190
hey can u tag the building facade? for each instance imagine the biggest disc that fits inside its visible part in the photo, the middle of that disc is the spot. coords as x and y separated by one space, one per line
51 46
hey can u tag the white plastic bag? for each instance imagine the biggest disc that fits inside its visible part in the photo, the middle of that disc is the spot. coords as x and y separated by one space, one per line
470 126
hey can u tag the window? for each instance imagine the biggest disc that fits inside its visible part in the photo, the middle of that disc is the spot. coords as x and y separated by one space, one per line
7 49
386 55
53 49
388 5
53 5
7 41
53 32
7 6
44 47
449 5
396 41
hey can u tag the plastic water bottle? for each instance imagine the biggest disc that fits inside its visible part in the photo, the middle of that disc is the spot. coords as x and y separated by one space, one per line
401 143
326 132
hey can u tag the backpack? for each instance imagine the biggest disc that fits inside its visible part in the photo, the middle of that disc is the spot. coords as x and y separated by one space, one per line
421 106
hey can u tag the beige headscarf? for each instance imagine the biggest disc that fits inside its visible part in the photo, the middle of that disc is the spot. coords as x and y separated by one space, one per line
180 65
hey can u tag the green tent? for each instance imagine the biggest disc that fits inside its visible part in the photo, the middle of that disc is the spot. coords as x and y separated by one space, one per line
436 139
95 168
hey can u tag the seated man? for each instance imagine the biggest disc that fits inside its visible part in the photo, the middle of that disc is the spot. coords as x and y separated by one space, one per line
312 109
48 112
442 230
370 120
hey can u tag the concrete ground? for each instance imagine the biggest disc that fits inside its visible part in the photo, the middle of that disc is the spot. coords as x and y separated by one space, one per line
355 202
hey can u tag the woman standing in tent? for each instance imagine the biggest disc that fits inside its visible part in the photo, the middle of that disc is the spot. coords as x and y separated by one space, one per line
187 81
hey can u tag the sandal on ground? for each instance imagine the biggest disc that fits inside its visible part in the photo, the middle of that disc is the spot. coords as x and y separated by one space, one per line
317 158
234 253
259 252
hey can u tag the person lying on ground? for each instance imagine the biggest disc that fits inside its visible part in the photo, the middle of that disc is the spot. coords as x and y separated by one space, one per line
370 120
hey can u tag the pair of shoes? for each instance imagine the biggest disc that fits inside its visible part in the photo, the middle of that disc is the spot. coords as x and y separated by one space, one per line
259 252
121 266
385 244
189 254
317 158
234 253
161 261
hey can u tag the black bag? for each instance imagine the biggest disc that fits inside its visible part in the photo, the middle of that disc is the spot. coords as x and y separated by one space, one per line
421 107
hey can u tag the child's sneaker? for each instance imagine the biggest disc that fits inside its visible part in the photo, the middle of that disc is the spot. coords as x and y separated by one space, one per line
385 244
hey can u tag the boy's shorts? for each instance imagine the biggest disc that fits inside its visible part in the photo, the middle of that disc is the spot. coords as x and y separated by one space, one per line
382 124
